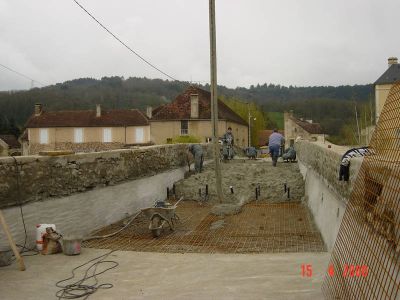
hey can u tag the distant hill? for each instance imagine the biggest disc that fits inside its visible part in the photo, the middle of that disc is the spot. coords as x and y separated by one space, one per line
326 104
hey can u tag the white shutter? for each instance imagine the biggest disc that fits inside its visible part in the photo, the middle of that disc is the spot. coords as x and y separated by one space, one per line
78 135
107 137
43 136
139 135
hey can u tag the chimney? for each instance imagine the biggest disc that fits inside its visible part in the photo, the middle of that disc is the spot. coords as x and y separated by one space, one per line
38 109
149 112
194 106
392 61
98 110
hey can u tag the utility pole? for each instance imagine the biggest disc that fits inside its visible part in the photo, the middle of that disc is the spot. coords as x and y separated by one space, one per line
214 99
248 133
358 127
366 126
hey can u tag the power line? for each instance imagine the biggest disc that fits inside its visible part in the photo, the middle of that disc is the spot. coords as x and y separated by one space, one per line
124 44
20 74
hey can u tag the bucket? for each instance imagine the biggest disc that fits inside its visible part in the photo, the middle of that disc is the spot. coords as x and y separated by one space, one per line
71 246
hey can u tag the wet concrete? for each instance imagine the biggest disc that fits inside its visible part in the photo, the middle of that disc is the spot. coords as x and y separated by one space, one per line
244 176
175 276
226 209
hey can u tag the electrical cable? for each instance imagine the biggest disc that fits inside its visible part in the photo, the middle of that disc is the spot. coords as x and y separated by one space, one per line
81 288
123 43
19 199
20 74
114 233
23 247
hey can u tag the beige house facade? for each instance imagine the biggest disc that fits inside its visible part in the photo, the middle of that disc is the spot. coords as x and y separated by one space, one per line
164 131
301 129
384 83
85 131
190 115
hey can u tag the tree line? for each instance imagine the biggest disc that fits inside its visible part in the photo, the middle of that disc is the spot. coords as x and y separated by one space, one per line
333 107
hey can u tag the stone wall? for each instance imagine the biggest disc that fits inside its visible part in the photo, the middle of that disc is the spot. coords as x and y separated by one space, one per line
80 214
326 196
326 162
35 148
40 178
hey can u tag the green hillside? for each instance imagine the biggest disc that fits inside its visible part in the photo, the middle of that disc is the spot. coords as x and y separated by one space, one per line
333 107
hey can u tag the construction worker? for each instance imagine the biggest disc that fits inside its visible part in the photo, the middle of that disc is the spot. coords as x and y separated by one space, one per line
276 140
197 151
228 141
228 137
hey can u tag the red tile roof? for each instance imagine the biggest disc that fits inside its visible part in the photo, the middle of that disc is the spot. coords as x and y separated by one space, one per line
179 109
87 118
313 128
263 136
10 140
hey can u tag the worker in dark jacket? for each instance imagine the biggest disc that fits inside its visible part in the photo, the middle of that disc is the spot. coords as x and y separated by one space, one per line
197 151
228 141
228 138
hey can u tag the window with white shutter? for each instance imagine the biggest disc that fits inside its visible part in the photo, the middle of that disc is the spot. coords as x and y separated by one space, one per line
139 135
43 135
78 135
107 136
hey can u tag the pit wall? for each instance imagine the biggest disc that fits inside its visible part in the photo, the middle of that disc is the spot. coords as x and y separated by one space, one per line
83 192
326 196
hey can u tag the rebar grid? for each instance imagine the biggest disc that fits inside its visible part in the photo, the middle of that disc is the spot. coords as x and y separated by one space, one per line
260 227
369 234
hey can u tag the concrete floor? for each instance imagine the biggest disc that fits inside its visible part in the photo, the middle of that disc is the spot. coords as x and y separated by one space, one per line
146 275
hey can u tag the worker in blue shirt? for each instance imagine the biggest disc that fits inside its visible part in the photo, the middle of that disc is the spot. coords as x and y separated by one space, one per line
276 140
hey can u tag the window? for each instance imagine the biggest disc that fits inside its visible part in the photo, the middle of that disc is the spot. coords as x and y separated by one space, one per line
78 135
139 135
184 127
43 135
107 137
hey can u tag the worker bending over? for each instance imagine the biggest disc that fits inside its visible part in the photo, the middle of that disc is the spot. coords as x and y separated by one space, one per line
197 151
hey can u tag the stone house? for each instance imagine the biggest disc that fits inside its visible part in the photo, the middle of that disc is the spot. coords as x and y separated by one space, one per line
382 87
85 130
384 83
301 129
190 114
9 145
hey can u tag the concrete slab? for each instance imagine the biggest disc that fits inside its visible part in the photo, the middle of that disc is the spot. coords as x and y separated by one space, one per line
143 275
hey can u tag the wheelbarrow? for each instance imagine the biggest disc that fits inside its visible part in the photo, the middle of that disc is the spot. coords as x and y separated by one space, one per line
161 215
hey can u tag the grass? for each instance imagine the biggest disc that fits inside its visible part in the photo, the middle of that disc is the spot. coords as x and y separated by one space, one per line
277 117
185 139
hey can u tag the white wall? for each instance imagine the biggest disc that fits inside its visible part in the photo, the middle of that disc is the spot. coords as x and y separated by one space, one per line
80 214
327 207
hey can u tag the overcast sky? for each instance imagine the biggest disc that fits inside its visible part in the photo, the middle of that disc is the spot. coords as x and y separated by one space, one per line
288 42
